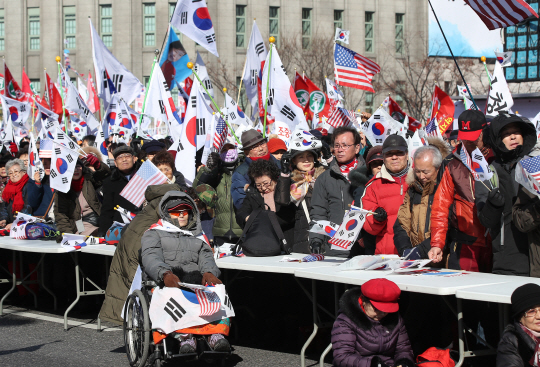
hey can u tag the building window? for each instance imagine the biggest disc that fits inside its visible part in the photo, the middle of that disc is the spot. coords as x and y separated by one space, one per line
70 27
149 21
240 26
35 85
172 6
105 20
338 19
306 28
274 23
33 28
2 34
369 102
400 24
370 17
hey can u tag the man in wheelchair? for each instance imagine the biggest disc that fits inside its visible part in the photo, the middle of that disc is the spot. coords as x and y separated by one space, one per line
173 251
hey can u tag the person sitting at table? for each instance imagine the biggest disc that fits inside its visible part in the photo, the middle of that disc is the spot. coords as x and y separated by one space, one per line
369 332
77 211
520 343
15 194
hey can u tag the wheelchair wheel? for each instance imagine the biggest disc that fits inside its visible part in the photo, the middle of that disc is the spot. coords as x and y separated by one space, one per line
136 329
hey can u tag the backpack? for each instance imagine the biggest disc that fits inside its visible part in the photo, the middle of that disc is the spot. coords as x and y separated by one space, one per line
435 357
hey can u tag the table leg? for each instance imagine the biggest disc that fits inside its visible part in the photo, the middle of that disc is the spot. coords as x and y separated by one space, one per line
315 327
42 281
336 309
13 283
77 288
501 319
461 334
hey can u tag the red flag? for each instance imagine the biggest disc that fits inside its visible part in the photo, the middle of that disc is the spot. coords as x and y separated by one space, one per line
301 90
55 99
188 83
443 107
26 88
394 110
502 13
11 88
93 100
318 101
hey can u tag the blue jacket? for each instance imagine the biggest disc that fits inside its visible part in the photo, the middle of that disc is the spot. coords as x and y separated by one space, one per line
240 178
40 196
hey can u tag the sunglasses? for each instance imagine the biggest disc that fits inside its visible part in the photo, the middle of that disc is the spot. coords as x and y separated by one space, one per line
179 213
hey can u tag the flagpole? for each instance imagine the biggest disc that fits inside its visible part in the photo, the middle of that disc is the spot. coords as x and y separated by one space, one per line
483 58
271 40
455 61
58 59
156 52
190 66
243 70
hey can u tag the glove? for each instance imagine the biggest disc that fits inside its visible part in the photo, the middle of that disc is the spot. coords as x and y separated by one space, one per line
316 247
286 163
93 161
209 278
212 161
495 197
377 362
170 280
404 362
380 215
13 148
325 151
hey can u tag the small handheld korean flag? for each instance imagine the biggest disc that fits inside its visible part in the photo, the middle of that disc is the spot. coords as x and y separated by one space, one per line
348 231
34 163
480 166
377 127
303 140
505 58
63 163
342 35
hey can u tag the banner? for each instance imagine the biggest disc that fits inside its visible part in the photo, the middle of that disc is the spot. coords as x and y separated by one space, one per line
255 55
174 61
500 99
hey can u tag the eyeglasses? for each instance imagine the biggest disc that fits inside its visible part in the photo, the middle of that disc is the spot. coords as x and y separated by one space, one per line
14 173
532 312
343 146
397 153
263 185
124 156
258 145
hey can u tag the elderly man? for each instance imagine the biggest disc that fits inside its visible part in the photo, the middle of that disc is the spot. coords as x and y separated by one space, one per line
255 147
124 160
384 194
333 191
412 228
454 213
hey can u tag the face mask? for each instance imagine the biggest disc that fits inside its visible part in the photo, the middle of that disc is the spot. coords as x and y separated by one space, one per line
229 156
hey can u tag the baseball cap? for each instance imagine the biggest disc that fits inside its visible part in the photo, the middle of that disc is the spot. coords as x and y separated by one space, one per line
180 207
382 293
394 142
471 123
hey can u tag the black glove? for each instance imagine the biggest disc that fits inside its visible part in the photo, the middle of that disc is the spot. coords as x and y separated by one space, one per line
212 161
377 362
404 362
380 215
316 246
286 163
495 197
325 151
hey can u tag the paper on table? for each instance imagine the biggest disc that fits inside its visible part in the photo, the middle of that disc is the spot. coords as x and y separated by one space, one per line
364 261
399 265
224 250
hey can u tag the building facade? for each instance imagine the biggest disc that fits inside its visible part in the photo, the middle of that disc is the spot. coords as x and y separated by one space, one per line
34 32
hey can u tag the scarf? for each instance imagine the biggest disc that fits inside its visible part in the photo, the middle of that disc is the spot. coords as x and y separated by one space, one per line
299 189
13 191
269 200
77 185
265 157
348 167
535 360
162 225
401 173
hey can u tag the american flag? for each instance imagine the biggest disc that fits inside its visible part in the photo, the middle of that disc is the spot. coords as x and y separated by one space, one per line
432 127
502 13
532 166
147 175
209 301
341 117
466 159
220 136
353 70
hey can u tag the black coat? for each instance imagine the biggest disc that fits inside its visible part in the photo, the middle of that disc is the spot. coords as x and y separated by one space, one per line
516 348
112 186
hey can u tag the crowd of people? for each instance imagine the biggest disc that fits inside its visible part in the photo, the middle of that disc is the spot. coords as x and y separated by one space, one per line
265 197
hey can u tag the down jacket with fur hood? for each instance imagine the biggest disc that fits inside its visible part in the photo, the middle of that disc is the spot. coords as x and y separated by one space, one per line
357 339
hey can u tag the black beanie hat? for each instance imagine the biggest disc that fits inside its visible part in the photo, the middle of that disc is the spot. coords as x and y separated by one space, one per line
524 298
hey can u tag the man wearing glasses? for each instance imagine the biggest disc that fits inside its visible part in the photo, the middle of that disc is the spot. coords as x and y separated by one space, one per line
255 147
114 184
333 192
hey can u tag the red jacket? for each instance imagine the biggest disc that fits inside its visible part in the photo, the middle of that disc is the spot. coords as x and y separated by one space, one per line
454 207
387 192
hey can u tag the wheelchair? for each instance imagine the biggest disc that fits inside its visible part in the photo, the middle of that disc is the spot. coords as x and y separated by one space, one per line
139 344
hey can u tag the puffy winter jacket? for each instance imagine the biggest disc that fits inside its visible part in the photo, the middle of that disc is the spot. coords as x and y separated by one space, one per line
516 348
357 339
162 251
387 192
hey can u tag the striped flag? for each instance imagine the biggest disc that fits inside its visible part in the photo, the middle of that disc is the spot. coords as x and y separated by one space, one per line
432 128
341 117
209 302
532 166
353 70
502 13
147 175
220 135
466 159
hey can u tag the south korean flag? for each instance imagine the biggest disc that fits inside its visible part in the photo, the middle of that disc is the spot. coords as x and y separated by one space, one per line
63 163
17 112
234 114
34 163
378 127
348 231
304 140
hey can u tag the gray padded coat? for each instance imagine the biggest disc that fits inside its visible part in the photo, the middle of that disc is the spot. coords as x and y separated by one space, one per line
162 251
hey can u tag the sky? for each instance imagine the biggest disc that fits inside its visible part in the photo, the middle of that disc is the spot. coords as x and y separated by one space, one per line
467 34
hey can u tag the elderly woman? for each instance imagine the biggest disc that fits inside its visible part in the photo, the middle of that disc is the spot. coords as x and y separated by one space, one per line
15 194
78 210
263 197
520 343
164 161
369 331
